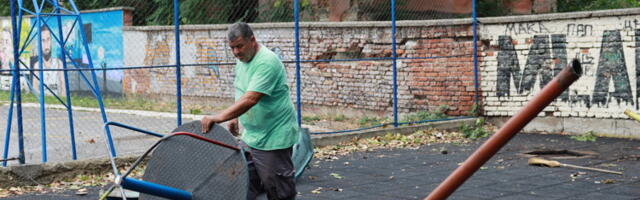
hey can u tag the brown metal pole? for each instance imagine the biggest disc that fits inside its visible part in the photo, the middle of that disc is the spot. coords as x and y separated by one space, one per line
552 90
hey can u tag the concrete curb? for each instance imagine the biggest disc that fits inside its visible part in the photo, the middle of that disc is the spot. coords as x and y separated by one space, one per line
332 139
35 174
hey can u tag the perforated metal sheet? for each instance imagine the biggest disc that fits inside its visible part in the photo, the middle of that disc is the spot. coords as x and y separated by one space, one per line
207 170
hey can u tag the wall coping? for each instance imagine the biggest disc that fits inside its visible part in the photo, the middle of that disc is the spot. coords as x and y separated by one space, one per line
559 16
374 24
88 11
404 23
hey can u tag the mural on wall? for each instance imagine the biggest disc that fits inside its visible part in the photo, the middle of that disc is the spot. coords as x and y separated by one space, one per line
103 34
6 50
534 52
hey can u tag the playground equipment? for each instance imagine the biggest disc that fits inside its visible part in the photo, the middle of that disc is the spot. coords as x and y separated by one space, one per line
46 15
553 89
185 165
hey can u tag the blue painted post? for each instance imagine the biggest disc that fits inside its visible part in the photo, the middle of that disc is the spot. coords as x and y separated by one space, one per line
7 135
97 91
474 17
176 22
394 60
43 123
66 84
154 189
296 17
16 63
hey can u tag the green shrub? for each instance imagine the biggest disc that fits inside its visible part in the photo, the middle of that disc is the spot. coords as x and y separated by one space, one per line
474 131
588 136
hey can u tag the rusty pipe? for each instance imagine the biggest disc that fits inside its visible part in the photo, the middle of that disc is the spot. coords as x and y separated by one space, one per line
553 89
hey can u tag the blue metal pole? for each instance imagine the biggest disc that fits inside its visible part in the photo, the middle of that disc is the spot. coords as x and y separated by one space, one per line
16 65
154 189
97 91
43 122
176 22
474 17
7 135
394 56
66 85
296 18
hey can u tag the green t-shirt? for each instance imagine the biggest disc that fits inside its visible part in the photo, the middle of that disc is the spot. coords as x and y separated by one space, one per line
271 123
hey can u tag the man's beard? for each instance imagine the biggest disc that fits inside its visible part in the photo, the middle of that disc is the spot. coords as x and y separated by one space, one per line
46 56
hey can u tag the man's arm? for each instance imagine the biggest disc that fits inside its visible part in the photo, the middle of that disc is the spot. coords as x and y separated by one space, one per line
248 100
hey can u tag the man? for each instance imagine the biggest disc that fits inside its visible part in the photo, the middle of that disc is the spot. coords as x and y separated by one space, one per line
266 112
53 79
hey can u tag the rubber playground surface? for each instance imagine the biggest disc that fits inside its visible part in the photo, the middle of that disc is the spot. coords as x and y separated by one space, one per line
414 173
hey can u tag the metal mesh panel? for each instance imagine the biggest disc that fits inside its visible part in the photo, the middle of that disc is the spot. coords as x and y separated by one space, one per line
207 170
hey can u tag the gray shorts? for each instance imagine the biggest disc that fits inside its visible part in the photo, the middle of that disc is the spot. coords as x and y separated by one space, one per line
271 172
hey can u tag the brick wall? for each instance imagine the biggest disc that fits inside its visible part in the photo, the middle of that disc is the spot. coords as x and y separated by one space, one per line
422 84
518 56
524 53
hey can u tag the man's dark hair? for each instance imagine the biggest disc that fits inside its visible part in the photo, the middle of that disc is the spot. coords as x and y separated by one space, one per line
45 28
239 29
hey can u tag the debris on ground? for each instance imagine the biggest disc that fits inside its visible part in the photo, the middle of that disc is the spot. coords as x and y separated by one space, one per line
79 183
389 141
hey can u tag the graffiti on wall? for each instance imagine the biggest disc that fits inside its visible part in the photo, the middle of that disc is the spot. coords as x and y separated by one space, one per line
547 55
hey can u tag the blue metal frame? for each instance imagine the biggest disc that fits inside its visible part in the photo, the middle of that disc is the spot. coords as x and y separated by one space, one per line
43 122
16 65
41 20
131 128
72 135
394 64
176 21
296 17
474 22
155 189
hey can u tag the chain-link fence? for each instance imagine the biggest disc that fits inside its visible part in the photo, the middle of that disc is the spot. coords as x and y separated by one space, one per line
351 65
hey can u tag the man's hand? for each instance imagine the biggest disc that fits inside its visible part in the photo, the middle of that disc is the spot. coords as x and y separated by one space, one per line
207 122
233 127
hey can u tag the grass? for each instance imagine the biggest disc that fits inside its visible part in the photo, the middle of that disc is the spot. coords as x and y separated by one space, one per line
474 131
128 102
439 113
588 136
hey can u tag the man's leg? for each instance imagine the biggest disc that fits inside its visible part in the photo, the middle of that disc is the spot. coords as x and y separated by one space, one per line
255 185
276 172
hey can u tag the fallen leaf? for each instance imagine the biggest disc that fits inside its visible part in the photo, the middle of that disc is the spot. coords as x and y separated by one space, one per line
337 176
317 190
608 181
82 192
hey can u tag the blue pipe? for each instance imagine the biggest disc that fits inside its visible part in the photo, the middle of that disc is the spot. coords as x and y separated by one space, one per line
43 122
16 60
72 135
7 135
98 93
112 123
296 17
227 63
394 56
475 52
176 22
155 189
